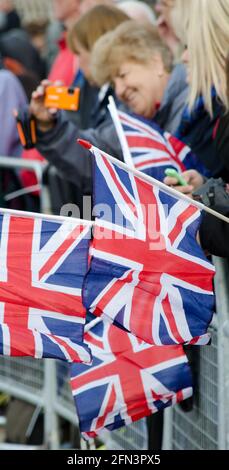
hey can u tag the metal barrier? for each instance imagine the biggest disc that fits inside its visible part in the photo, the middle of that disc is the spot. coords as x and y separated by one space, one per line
36 382
206 427
130 437
38 168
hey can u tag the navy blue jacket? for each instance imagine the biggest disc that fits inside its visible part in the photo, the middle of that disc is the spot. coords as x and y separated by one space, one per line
197 131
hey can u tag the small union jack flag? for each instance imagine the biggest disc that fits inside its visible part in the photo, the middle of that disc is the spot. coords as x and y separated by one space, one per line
147 273
127 380
154 150
43 264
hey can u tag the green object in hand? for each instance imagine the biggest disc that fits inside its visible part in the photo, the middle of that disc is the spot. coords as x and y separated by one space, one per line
174 174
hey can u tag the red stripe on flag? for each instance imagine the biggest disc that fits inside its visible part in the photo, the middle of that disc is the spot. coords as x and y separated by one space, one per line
52 261
18 277
181 219
171 320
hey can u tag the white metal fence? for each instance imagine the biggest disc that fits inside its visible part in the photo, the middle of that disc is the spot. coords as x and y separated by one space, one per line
44 384
206 427
199 428
38 169
130 437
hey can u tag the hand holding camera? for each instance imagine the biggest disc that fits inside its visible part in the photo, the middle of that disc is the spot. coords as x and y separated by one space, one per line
45 102
48 98
62 97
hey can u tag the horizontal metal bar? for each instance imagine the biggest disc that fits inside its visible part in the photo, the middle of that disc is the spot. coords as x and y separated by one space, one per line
17 162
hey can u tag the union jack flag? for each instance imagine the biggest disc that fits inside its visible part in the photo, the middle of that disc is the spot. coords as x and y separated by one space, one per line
153 150
127 380
147 273
42 267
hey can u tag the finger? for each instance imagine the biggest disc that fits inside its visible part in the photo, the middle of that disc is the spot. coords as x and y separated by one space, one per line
46 83
169 181
39 92
36 95
185 189
58 83
189 175
53 111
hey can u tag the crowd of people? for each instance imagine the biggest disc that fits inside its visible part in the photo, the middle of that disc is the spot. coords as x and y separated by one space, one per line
166 61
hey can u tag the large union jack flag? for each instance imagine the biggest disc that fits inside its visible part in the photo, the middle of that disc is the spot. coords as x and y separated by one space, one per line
127 380
153 150
147 273
42 267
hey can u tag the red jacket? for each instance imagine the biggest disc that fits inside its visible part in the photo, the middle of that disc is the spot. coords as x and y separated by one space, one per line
65 65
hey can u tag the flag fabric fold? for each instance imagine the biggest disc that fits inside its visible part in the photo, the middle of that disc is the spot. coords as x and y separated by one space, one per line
42 267
147 272
128 379
154 150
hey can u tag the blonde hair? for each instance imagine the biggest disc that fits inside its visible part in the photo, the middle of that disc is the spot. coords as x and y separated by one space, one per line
227 75
180 15
130 41
93 24
207 39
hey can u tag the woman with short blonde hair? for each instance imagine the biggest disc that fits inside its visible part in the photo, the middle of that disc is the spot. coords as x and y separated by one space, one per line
128 42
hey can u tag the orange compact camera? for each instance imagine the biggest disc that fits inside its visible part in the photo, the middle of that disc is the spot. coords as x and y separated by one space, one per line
62 97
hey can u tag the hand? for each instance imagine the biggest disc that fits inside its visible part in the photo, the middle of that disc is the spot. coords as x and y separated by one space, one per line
193 178
45 117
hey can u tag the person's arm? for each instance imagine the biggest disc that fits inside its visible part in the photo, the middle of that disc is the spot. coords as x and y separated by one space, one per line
59 146
57 141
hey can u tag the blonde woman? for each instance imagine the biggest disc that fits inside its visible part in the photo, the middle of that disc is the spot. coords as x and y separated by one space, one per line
56 137
140 66
114 52
206 34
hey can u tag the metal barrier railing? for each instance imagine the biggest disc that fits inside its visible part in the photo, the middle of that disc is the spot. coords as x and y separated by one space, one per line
131 437
207 425
36 382
38 168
